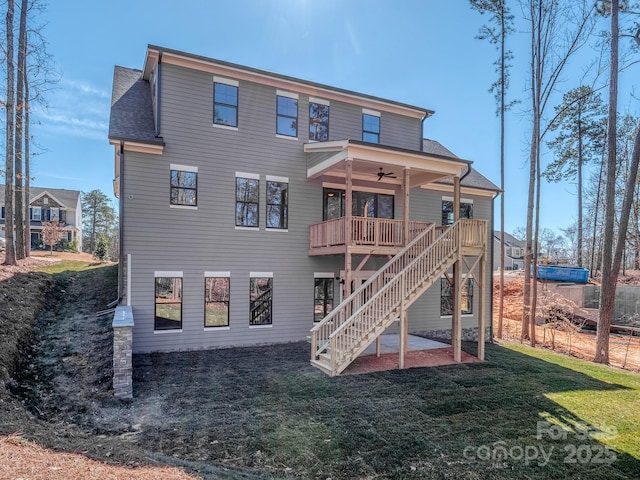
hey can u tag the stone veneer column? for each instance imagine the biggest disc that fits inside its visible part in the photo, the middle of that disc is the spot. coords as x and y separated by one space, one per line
122 352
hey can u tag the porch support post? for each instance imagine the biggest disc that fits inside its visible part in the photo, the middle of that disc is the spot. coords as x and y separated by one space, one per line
348 234
481 306
378 345
456 199
403 324
456 318
405 208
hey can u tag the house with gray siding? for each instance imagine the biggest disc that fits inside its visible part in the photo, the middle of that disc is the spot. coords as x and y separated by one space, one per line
258 208
514 250
46 204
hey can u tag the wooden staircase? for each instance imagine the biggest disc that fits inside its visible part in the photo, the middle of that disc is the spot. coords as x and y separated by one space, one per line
363 316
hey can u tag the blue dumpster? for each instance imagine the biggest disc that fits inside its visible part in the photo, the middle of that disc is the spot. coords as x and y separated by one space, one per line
561 273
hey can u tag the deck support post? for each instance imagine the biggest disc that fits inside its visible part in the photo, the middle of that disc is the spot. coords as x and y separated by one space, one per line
405 208
481 306
378 345
403 324
348 226
456 318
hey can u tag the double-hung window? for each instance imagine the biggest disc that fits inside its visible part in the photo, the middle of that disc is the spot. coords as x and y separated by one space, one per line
466 297
370 126
168 304
287 114
225 102
247 199
36 214
53 214
318 120
466 210
216 299
183 186
277 203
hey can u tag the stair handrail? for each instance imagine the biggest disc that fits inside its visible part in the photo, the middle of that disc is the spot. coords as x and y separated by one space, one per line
386 269
452 233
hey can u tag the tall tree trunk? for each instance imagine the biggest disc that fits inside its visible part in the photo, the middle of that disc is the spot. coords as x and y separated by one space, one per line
502 111
580 155
25 106
10 253
27 173
594 262
608 288
21 208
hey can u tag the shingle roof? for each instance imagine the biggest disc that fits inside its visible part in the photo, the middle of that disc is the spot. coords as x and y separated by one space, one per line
473 179
69 198
131 108
509 240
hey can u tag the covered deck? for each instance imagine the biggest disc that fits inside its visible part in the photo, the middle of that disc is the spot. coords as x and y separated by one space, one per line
367 235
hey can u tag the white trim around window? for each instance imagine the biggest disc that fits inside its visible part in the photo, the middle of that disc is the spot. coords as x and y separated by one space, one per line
323 274
183 168
319 101
167 273
226 81
261 274
284 93
253 176
373 113
462 200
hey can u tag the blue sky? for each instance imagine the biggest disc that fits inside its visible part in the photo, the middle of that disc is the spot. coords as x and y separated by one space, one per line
421 52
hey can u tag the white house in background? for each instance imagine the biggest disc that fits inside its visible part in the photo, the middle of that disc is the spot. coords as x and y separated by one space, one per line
46 204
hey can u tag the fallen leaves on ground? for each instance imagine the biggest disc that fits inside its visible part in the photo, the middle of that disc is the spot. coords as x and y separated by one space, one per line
21 459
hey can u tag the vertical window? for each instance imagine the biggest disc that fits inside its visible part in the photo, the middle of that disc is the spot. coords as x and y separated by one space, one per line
277 202
36 214
225 102
247 200
183 186
370 126
216 299
446 297
466 210
287 116
168 315
260 299
322 297
53 214
318 120
333 204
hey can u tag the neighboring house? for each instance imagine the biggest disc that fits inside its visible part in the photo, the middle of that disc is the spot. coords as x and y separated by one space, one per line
46 204
514 251
253 203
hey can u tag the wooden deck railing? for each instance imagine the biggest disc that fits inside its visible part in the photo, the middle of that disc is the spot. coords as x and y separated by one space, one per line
370 309
379 232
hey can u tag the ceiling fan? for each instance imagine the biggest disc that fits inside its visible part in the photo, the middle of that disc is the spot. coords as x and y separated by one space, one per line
382 174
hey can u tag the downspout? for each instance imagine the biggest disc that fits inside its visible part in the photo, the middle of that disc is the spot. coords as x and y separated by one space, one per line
490 263
121 256
158 86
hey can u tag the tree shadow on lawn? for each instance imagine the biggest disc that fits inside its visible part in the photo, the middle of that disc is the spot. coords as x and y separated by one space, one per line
266 408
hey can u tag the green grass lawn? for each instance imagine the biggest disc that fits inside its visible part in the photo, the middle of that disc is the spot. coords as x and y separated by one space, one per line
524 413
68 266
614 413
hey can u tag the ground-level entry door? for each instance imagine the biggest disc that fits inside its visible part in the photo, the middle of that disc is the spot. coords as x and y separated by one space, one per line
357 279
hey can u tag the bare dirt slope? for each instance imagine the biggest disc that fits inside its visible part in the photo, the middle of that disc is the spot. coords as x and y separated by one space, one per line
62 372
624 349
